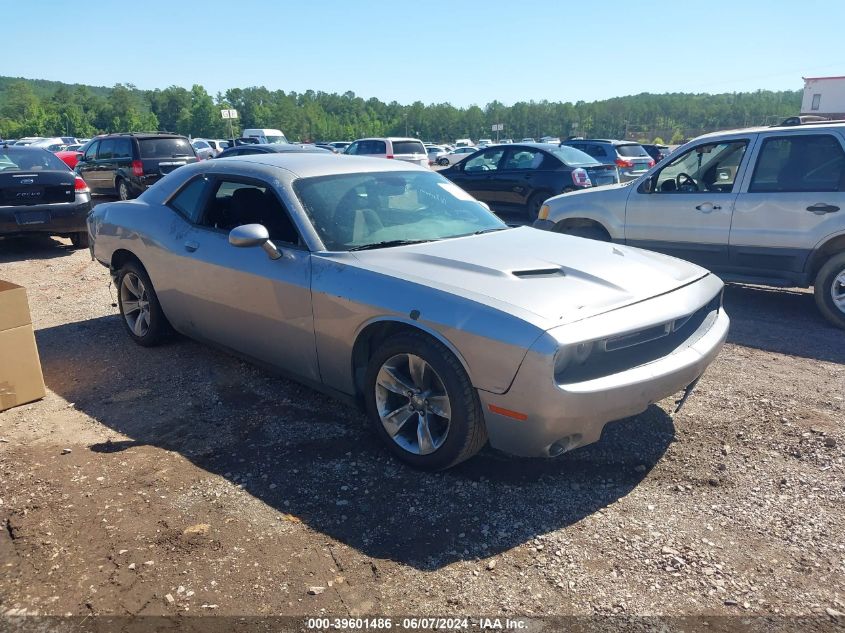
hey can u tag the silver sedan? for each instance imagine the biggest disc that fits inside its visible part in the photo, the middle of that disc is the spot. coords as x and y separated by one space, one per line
385 284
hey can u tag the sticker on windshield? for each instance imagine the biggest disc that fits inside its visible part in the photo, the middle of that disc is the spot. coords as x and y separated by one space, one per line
456 191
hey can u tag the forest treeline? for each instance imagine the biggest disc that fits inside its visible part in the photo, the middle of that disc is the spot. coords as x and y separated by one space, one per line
45 108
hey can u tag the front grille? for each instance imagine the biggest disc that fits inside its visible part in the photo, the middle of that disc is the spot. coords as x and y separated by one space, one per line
632 349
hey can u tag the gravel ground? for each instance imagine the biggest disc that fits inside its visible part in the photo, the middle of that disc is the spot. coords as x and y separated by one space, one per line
179 479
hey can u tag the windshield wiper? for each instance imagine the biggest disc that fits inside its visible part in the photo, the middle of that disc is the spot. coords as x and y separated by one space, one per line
492 230
386 244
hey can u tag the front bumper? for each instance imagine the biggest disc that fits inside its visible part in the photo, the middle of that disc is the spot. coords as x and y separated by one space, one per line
54 219
560 417
543 225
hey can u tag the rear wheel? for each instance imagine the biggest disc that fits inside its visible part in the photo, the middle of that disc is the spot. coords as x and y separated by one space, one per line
443 162
422 404
829 290
123 190
79 240
534 203
142 315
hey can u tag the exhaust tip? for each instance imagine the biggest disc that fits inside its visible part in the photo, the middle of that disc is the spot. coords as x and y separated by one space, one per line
565 444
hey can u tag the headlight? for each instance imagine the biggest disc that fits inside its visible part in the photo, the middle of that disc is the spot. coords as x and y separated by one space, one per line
575 354
544 212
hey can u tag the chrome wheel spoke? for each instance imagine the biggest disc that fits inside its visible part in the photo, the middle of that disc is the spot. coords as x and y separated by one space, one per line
837 291
133 285
417 366
130 306
390 379
396 420
138 326
439 405
424 439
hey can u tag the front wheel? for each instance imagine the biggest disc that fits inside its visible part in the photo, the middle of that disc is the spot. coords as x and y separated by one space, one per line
142 315
534 203
829 290
422 404
443 162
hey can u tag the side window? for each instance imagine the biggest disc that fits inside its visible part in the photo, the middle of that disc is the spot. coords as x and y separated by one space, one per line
810 162
91 152
817 99
487 160
106 149
235 203
524 159
122 148
352 149
709 167
187 201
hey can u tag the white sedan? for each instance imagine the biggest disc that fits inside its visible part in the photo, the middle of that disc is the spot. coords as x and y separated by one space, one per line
456 156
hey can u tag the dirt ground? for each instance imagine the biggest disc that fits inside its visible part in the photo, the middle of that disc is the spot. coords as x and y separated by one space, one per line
179 479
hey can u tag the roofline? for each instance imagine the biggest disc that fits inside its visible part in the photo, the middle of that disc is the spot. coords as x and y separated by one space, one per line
821 78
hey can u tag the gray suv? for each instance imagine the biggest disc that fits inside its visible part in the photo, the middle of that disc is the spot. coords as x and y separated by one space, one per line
761 205
630 158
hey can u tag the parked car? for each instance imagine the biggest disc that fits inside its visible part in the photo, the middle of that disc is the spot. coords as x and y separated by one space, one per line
69 157
259 148
631 159
528 140
40 194
73 147
456 155
266 135
522 175
70 140
435 152
328 147
761 205
28 140
657 152
506 141
554 140
202 148
51 144
218 145
410 150
484 142
385 284
126 164
464 142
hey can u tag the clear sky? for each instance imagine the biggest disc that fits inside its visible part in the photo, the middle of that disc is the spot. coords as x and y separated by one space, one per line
462 52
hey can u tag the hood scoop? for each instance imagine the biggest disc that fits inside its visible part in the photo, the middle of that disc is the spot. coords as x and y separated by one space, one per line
539 272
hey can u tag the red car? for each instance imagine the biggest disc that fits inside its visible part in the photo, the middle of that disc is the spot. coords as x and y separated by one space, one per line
70 158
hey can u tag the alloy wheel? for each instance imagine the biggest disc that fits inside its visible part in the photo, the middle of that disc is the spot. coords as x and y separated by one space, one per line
413 404
135 303
837 291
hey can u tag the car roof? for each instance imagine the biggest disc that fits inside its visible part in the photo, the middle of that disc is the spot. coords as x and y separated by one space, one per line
388 138
815 125
307 164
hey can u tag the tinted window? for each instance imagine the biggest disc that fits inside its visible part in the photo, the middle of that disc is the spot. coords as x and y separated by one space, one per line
631 151
91 152
799 163
408 147
187 201
372 147
488 160
524 159
237 203
106 149
16 159
165 148
352 149
122 148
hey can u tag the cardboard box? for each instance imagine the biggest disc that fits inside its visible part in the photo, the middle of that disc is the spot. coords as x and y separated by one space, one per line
21 380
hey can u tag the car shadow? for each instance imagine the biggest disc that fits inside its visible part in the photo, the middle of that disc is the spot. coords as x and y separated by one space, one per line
783 321
35 246
312 457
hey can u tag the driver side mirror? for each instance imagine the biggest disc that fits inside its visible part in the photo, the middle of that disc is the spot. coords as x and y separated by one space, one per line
647 185
250 235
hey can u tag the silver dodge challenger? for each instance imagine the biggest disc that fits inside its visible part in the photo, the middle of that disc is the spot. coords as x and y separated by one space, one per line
384 283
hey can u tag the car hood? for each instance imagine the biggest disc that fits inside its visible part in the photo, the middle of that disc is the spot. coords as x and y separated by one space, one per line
546 278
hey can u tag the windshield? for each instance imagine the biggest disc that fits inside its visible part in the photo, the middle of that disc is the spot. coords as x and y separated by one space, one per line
277 140
631 151
354 210
574 157
164 147
19 159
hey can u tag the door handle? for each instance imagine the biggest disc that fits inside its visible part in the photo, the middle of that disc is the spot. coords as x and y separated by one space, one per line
191 246
707 207
820 208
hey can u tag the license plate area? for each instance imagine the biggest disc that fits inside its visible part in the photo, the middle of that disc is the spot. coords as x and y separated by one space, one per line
25 218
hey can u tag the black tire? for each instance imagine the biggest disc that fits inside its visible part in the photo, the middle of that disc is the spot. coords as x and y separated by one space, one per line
534 203
158 327
79 240
588 232
467 433
829 279
122 188
443 162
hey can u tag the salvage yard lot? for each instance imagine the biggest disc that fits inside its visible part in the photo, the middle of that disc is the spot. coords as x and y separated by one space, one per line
198 483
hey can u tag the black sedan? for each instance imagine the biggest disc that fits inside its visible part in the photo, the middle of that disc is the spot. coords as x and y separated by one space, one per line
268 148
522 176
39 193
